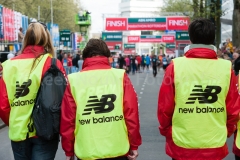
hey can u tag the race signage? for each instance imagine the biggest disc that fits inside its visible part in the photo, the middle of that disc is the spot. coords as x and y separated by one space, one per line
182 36
133 39
112 36
116 24
170 48
65 35
151 39
113 40
129 46
168 38
170 45
178 23
147 23
112 45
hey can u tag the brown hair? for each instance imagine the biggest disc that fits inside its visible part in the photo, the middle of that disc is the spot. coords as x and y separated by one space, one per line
96 47
37 35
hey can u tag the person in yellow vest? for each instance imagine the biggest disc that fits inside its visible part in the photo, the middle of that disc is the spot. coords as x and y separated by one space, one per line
18 90
100 117
196 105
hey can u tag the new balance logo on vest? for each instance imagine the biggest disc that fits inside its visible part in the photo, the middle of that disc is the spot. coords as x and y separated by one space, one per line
208 95
104 105
23 90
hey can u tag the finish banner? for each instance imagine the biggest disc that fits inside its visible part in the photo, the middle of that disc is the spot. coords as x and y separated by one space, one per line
177 23
145 39
116 24
147 23
151 39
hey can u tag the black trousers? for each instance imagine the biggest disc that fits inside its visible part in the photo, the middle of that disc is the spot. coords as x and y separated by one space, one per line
35 149
237 158
118 158
154 71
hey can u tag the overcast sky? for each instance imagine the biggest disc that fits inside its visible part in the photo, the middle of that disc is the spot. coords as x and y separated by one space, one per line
97 9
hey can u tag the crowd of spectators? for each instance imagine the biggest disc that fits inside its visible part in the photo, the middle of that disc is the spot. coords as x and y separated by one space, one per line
228 51
71 62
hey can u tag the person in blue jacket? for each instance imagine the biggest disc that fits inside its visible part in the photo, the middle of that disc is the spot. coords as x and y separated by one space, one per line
147 62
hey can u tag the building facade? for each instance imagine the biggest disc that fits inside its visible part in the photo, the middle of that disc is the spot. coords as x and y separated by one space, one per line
138 9
227 8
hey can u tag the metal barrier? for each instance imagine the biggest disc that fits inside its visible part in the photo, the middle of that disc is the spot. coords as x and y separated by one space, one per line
6 48
10 47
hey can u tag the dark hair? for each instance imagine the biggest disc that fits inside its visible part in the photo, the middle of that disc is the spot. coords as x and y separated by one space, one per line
202 31
237 66
96 47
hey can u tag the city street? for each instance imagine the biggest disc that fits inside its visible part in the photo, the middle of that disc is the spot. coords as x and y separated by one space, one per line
153 146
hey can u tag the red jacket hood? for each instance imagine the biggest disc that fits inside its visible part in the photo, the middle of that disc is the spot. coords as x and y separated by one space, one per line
33 49
200 51
30 52
96 63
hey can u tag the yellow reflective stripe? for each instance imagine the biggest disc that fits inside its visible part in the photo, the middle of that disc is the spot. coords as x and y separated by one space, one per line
100 131
199 119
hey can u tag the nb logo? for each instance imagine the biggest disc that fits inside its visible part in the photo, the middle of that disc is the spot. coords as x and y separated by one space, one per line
22 90
209 95
104 105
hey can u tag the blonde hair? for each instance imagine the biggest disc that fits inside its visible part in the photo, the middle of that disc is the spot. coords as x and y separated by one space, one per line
37 34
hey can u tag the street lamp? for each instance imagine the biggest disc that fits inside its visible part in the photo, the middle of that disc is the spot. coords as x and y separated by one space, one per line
51 18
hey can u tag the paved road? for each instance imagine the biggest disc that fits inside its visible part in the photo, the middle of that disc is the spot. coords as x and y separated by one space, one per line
153 145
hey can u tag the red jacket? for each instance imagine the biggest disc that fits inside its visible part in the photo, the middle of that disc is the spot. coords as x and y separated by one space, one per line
69 61
235 150
139 59
29 52
166 105
130 110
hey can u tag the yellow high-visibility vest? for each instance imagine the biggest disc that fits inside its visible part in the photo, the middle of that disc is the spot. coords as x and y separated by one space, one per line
100 130
200 116
22 87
